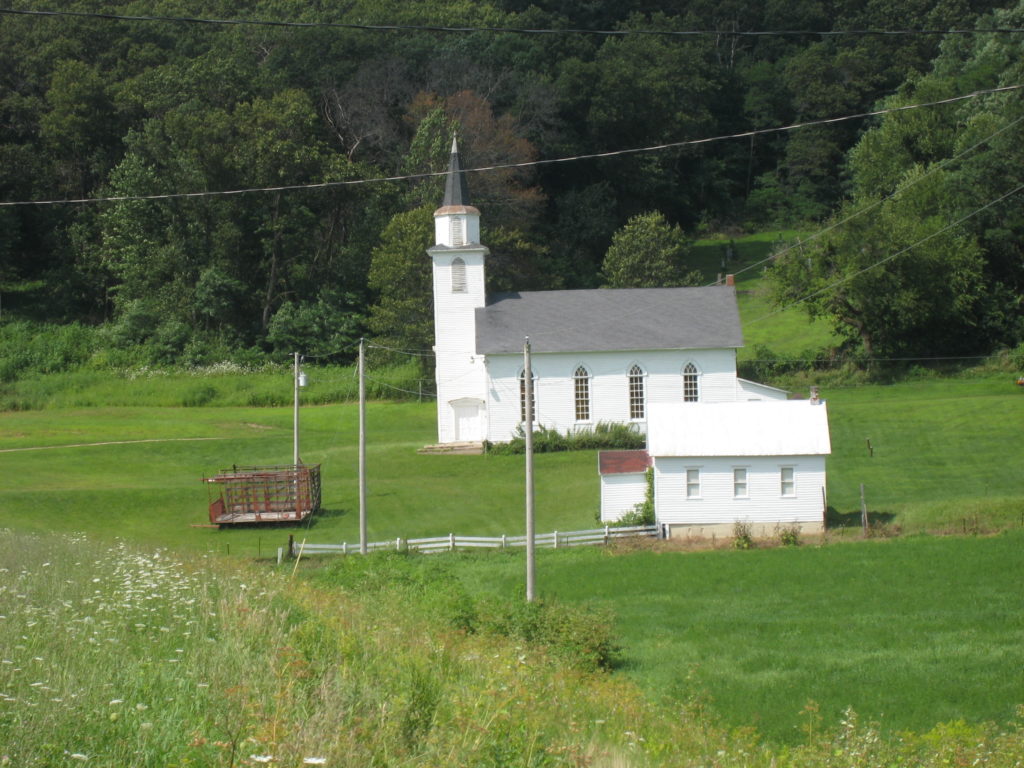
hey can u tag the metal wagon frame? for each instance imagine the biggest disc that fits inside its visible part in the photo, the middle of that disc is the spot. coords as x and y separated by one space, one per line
285 493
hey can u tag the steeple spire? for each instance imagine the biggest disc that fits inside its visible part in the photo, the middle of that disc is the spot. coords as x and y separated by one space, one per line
456 190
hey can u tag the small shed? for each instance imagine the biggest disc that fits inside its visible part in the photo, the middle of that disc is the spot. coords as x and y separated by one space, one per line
264 494
623 482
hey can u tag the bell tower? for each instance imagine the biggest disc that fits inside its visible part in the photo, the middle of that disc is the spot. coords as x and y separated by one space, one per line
458 268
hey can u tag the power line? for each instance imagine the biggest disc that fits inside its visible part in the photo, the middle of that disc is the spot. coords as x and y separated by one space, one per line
519 30
890 257
384 384
525 164
409 352
871 206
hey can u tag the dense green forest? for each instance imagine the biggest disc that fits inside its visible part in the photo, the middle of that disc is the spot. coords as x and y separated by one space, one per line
136 114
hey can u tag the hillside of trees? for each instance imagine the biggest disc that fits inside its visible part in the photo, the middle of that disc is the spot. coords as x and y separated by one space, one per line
138 119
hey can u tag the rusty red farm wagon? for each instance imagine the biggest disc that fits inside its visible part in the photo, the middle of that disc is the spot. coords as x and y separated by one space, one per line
264 494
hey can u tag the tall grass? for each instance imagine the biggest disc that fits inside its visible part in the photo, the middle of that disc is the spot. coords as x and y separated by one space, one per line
113 656
220 385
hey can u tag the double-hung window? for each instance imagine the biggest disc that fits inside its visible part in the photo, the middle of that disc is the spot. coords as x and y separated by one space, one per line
739 482
693 483
787 481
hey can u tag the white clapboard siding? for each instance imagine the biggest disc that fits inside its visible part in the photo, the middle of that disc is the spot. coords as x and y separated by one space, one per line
461 375
609 385
620 494
717 504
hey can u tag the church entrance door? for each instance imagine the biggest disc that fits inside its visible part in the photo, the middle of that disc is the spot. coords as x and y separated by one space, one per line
469 422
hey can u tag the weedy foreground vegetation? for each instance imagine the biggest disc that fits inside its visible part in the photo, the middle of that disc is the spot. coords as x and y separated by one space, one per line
114 656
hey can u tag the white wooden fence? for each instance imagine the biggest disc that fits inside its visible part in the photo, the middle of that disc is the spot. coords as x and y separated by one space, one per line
451 542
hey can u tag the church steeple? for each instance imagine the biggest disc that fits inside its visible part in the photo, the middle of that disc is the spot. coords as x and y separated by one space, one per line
456 222
459 290
456 190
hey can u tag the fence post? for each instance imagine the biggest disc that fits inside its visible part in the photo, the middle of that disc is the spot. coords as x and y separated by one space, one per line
556 539
863 511
606 535
451 542
398 544
291 545
344 547
503 544
280 554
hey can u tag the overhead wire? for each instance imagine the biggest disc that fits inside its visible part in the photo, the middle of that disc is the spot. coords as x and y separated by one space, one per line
613 153
524 164
471 29
871 206
890 257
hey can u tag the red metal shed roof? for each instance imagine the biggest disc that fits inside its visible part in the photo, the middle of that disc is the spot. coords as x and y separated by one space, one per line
622 462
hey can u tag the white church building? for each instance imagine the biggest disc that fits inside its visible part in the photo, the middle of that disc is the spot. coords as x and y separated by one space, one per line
603 355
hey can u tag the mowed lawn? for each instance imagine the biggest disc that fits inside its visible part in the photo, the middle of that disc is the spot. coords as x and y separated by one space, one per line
946 456
906 632
68 470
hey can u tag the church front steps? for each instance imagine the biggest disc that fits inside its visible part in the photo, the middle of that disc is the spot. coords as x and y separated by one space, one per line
463 449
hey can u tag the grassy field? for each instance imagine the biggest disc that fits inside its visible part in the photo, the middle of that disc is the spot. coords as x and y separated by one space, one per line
786 333
941 449
113 656
910 631
68 470
907 632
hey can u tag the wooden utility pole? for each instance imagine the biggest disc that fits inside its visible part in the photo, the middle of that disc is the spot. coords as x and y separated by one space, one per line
362 448
295 416
531 565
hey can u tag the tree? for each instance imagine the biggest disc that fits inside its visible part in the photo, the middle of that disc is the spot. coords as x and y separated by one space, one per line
648 252
899 282
972 154
402 278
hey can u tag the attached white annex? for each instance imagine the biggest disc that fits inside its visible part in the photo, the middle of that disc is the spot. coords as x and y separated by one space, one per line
716 464
597 355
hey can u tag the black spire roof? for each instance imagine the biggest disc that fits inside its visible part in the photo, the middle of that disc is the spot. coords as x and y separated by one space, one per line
456 191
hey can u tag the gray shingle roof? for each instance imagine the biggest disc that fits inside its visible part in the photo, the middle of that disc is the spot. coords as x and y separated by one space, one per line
605 320
456 188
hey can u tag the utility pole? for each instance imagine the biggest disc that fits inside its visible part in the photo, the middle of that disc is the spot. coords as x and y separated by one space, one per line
362 448
295 416
531 564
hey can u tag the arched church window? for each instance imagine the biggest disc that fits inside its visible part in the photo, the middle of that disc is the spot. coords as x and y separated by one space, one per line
458 275
581 387
691 391
637 398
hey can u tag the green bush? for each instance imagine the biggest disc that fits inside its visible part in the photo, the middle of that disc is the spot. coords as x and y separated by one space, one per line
742 535
789 535
581 635
604 436
31 349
